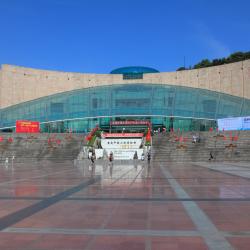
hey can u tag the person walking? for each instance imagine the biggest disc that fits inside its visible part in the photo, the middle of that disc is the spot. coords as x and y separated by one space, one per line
149 157
111 158
6 162
92 158
135 158
211 156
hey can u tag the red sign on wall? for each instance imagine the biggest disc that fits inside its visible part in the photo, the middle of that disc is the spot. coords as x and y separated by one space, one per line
27 127
124 123
121 135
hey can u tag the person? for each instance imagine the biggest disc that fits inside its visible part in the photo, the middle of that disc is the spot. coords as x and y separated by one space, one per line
135 156
142 157
111 158
149 157
135 160
92 158
194 139
6 162
89 154
211 156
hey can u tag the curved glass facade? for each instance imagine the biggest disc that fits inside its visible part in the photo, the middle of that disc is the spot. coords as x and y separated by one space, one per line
134 70
165 105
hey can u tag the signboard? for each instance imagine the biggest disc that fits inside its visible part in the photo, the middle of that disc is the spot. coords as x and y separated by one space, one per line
128 143
122 123
121 135
122 145
27 127
246 123
124 154
237 123
230 123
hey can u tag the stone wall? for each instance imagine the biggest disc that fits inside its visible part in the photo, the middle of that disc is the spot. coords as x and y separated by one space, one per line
19 84
42 146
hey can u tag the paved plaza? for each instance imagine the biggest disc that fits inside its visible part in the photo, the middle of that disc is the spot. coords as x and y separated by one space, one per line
125 206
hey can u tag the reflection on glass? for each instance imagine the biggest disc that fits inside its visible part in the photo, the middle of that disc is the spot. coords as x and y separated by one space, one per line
154 102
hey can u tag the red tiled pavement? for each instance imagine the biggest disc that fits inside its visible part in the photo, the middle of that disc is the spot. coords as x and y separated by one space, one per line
68 214
228 216
130 208
240 243
40 242
170 216
118 242
178 243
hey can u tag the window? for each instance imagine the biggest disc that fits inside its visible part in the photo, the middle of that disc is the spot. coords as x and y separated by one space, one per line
132 76
56 107
139 103
209 106
94 103
170 101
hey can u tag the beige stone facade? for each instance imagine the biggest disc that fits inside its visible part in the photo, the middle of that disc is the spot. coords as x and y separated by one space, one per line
19 84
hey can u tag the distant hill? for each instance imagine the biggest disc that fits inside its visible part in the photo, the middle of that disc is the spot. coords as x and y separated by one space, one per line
235 57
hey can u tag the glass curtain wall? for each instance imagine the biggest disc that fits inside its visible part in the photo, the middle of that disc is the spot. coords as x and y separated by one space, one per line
165 105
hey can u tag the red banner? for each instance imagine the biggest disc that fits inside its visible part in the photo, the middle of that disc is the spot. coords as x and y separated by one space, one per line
27 127
124 123
122 135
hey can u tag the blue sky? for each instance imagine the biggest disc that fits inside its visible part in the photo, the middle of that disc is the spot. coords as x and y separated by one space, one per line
101 35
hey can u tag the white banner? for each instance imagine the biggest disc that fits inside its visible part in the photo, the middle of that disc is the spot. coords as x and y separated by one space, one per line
236 123
122 135
124 154
246 123
122 148
128 143
230 124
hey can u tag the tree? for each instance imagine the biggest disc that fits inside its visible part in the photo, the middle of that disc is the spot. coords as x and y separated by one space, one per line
234 57
247 55
181 68
204 63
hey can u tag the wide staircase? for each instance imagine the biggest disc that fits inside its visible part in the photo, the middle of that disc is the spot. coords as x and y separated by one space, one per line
224 146
39 147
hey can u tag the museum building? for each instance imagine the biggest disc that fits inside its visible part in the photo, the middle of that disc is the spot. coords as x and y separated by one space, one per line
63 101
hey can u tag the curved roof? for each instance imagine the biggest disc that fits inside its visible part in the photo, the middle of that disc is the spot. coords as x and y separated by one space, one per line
134 70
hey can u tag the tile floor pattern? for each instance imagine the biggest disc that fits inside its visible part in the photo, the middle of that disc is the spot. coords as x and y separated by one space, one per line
125 206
